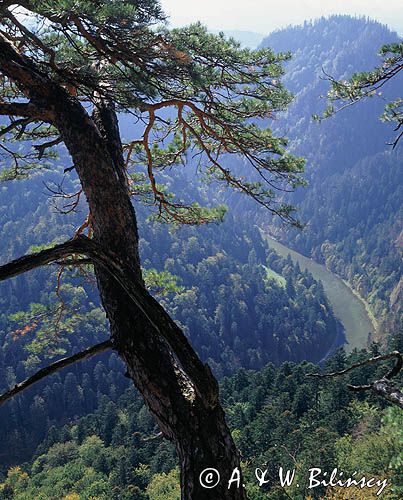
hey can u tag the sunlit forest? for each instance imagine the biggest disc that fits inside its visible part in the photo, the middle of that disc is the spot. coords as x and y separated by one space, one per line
260 319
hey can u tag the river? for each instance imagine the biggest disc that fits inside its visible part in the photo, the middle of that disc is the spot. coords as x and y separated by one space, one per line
348 307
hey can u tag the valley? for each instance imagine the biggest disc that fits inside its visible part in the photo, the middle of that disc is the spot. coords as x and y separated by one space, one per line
347 306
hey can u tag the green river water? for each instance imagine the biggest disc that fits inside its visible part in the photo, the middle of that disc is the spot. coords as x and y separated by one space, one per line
348 307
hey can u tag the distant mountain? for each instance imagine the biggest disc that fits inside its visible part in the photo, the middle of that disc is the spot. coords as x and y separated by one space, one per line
353 205
246 38
240 303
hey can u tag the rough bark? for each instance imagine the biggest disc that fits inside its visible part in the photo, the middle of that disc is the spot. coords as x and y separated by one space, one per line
385 389
179 390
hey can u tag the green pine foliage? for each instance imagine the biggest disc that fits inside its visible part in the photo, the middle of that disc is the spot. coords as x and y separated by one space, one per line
278 417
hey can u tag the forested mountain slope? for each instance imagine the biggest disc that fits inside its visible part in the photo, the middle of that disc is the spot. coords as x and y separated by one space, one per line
240 303
353 205
278 416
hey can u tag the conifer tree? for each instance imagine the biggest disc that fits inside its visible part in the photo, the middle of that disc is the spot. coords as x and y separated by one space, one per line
68 70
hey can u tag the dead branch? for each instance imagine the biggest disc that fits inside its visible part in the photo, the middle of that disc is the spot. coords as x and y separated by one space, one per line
150 438
86 224
381 387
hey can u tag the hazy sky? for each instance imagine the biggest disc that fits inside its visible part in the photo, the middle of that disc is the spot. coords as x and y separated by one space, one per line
263 16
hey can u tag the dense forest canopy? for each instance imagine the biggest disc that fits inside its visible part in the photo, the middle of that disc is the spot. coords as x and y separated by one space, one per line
352 206
67 69
86 433
241 304
278 417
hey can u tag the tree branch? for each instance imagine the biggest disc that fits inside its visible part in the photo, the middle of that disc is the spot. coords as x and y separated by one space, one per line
35 260
41 148
381 387
371 361
34 84
26 110
35 40
22 122
55 367
152 311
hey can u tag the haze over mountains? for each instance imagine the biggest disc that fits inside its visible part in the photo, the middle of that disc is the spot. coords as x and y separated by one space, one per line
353 204
240 303
248 39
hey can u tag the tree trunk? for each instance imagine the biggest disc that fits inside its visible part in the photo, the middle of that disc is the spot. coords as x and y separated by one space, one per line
179 390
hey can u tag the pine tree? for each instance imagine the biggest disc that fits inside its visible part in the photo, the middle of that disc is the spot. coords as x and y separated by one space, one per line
68 69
